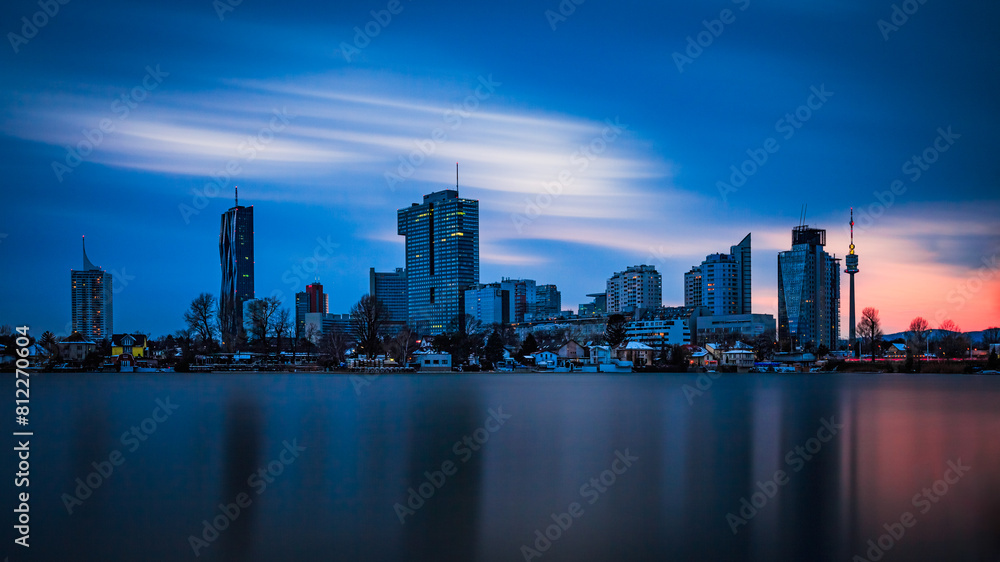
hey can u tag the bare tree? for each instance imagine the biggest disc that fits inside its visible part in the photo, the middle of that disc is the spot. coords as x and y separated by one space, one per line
282 326
917 334
951 341
870 329
402 345
368 316
333 344
259 322
200 317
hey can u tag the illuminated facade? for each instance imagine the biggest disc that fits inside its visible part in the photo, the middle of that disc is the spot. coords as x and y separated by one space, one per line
236 255
722 282
442 257
92 301
637 287
808 292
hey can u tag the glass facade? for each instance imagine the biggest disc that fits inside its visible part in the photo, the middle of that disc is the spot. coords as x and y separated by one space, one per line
390 288
808 292
442 257
236 255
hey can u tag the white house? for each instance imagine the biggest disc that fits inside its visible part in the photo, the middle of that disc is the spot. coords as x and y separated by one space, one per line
433 362
545 359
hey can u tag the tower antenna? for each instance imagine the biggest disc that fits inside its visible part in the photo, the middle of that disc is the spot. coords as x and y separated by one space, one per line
852 230
237 196
456 175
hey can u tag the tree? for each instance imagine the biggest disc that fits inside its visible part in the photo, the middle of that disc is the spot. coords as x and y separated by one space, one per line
528 346
402 345
870 329
282 326
917 334
763 346
200 317
679 359
368 316
951 341
494 349
48 341
993 362
260 319
614 330
333 344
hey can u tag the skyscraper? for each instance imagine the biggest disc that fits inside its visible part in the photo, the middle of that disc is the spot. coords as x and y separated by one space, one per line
313 299
639 286
548 303
808 292
390 289
722 282
442 257
523 296
741 253
236 255
92 301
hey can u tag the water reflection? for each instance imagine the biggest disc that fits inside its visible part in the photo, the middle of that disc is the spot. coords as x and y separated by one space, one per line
695 463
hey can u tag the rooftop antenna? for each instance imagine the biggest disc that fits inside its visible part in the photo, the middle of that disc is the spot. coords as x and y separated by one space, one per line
237 196
456 175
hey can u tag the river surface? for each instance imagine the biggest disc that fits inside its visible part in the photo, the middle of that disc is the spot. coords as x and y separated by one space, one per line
511 467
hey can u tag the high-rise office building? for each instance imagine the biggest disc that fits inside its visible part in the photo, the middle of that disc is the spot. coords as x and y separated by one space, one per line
523 295
548 303
390 289
318 300
808 292
722 282
92 301
313 299
489 304
637 287
442 257
236 255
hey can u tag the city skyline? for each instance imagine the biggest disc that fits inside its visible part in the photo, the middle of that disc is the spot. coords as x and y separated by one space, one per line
584 162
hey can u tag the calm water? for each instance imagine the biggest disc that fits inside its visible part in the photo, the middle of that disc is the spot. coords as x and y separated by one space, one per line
674 465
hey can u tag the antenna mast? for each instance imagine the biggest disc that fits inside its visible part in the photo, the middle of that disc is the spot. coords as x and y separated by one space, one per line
237 196
456 175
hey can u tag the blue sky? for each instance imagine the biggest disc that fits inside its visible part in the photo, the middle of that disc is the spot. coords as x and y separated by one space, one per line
310 129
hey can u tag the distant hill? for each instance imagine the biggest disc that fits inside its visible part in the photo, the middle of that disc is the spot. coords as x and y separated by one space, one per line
933 334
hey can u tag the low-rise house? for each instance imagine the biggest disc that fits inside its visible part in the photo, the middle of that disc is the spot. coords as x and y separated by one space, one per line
546 359
600 354
433 362
75 347
128 344
573 351
638 353
896 350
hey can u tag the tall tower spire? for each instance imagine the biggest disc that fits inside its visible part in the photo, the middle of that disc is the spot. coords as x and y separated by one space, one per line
87 265
852 268
456 175
238 197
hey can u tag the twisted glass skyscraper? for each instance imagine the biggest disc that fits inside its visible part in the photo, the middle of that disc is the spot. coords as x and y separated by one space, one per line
236 255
